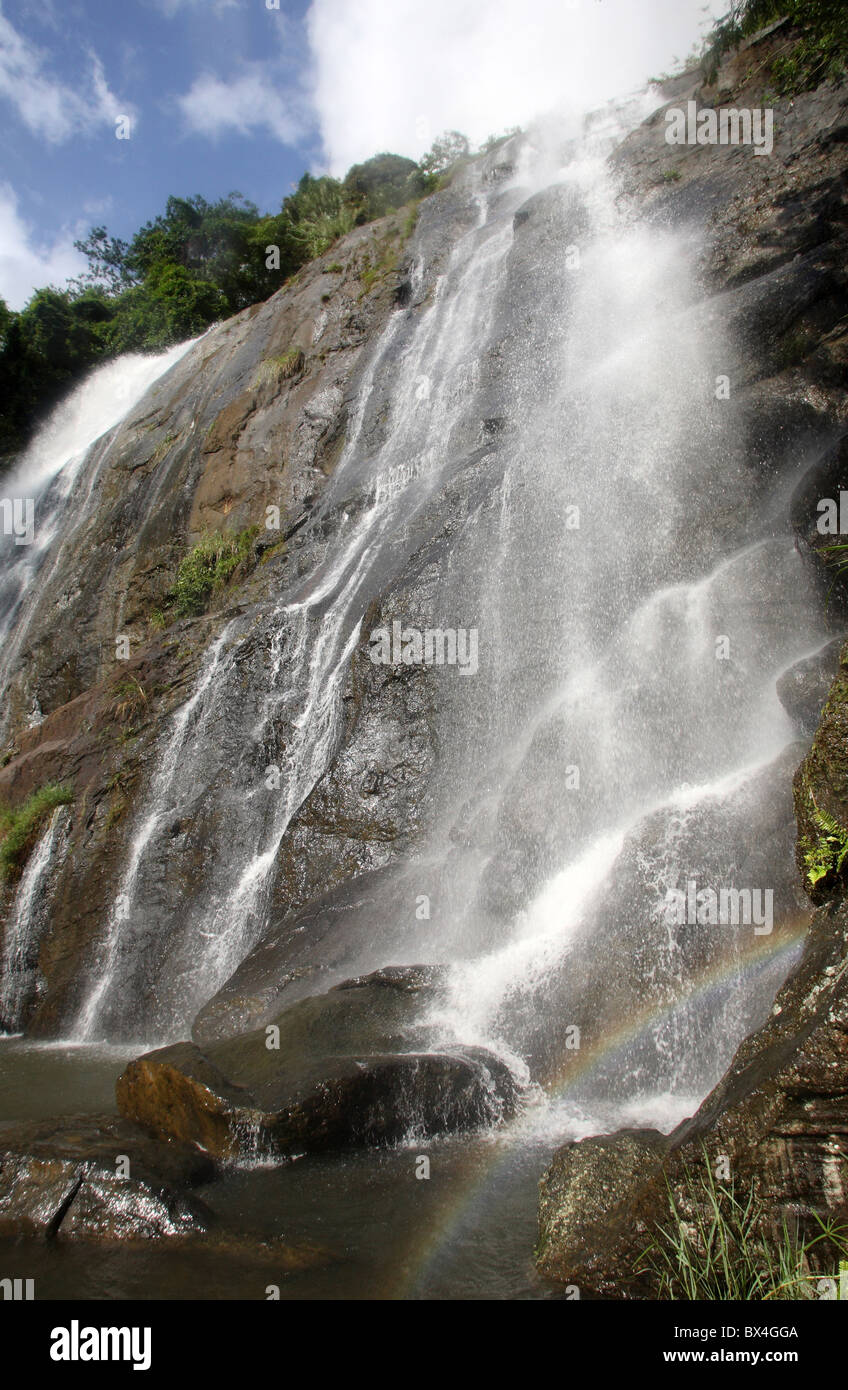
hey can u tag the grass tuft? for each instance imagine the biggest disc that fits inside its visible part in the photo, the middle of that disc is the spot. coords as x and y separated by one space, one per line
720 1249
208 566
19 828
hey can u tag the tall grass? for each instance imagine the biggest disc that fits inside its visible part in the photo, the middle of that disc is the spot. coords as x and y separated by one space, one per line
723 1250
208 566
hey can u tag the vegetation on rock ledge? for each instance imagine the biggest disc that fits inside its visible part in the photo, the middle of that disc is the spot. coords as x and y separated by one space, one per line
19 828
195 264
208 566
816 48
719 1248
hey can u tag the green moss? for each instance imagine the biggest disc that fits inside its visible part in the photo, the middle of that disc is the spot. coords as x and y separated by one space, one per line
272 551
373 272
19 829
672 176
115 813
163 449
335 269
794 347
210 565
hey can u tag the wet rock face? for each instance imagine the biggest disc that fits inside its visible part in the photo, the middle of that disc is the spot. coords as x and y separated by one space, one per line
98 1178
233 429
314 947
804 688
251 417
634 948
228 435
330 1071
820 522
778 1117
821 802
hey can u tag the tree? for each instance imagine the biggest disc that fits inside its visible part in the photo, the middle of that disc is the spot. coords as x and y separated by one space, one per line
445 151
172 304
107 263
383 184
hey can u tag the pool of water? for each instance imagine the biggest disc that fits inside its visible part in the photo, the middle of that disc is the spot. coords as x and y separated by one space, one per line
359 1225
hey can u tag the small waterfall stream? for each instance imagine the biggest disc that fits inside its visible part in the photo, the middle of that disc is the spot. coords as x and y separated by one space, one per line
26 923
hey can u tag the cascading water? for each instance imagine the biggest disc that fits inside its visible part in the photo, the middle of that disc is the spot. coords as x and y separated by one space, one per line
618 545
57 475
26 924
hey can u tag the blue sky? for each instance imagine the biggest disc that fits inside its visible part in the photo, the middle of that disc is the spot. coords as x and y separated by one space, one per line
226 95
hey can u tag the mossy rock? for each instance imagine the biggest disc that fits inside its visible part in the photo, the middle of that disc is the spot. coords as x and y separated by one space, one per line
821 797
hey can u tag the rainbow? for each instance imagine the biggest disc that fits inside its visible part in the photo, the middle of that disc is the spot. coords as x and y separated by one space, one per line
477 1194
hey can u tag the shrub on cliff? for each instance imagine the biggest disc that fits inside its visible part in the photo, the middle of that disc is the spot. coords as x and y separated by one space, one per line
815 47
208 566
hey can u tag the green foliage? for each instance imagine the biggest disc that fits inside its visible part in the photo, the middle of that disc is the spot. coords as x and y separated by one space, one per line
208 566
312 219
720 1249
382 185
816 47
446 150
826 853
196 263
171 305
19 828
107 263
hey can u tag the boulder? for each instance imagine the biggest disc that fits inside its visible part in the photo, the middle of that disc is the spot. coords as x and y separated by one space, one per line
98 1177
341 932
348 1067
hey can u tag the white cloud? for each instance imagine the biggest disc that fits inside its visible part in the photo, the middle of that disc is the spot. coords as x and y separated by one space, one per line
49 107
24 264
394 80
254 100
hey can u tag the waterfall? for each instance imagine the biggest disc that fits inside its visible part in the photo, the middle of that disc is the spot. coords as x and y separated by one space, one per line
306 641
57 474
25 926
636 601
